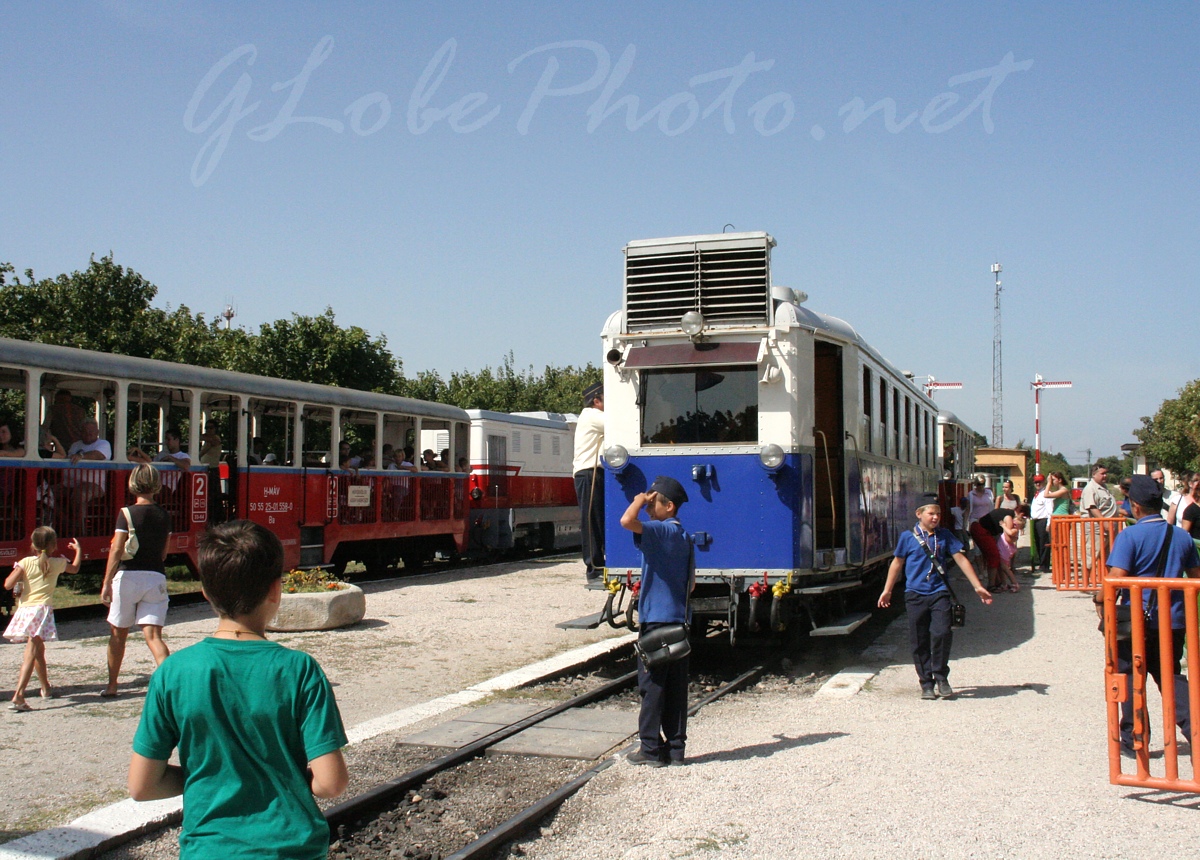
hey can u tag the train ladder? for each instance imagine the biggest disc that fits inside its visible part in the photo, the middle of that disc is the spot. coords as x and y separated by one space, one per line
1120 688
1079 550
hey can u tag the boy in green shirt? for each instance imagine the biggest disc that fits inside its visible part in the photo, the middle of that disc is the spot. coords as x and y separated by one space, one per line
256 724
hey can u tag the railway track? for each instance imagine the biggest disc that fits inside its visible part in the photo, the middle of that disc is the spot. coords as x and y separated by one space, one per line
379 821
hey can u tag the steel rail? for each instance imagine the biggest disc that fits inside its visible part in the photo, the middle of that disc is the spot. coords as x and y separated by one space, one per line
526 819
384 794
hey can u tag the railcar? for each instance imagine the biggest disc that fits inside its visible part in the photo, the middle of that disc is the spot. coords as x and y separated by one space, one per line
268 454
802 450
956 441
520 484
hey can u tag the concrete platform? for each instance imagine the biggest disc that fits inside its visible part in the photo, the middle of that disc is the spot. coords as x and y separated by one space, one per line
581 733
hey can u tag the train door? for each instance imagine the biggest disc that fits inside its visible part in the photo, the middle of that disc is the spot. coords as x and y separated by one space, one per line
829 461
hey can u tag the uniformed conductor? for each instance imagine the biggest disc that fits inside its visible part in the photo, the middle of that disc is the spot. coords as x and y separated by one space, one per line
1136 552
589 481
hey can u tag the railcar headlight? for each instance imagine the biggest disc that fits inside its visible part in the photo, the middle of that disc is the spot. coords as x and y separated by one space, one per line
616 457
692 323
771 457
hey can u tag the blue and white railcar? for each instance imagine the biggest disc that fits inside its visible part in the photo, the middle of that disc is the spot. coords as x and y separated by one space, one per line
803 451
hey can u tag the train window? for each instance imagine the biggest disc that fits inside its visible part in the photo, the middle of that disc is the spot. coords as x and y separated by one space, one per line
868 399
883 417
699 406
317 427
555 446
908 429
398 431
928 447
516 441
358 429
152 411
69 401
896 423
537 443
272 432
12 415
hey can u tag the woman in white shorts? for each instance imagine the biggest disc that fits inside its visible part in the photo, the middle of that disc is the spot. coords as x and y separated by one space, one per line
135 589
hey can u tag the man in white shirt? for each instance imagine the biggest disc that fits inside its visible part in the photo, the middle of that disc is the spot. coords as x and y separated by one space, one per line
589 481
80 486
1039 511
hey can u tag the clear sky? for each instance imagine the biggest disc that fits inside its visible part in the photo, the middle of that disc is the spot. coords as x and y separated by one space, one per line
461 177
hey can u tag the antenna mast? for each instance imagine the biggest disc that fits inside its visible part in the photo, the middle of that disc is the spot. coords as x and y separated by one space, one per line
997 372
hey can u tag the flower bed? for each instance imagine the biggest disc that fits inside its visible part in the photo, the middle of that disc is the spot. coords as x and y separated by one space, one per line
316 600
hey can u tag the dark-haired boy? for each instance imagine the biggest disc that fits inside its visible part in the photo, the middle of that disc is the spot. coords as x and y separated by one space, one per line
256 724
927 597
668 575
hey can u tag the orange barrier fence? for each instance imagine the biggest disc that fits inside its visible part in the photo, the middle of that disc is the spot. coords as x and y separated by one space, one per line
1079 550
1177 691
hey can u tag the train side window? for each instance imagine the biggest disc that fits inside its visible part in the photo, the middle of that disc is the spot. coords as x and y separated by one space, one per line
516 442
316 426
868 400
150 412
883 417
699 405
896 423
358 428
908 429
272 432
398 431
13 384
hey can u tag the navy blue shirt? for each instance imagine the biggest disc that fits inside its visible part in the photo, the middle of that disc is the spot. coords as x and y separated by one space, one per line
666 572
1136 550
919 575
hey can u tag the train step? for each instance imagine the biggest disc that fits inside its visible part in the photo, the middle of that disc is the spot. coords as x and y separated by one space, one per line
587 622
844 626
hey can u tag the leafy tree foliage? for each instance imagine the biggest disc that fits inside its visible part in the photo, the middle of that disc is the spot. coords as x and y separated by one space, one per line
1171 437
108 308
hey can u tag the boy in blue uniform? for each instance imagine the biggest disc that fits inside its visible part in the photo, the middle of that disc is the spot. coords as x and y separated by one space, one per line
256 724
668 576
927 597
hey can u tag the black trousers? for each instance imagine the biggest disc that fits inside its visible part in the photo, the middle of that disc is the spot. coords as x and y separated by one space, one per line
662 723
1041 530
929 634
1154 668
589 489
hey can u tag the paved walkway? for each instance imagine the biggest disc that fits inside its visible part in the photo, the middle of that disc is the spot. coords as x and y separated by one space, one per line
1015 766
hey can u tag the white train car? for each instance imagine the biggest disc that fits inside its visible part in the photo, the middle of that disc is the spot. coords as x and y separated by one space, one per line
520 483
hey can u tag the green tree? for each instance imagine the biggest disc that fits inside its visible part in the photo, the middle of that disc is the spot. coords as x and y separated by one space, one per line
1171 437
317 349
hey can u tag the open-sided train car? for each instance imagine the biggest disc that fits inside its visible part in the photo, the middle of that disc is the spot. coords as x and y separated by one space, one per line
274 461
521 488
802 450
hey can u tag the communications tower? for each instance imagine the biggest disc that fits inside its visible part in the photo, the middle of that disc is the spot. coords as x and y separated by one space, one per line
997 372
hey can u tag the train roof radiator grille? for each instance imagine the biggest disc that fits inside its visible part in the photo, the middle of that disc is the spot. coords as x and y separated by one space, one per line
727 277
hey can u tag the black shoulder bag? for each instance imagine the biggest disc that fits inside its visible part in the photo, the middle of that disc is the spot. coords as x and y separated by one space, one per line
958 612
1125 610
670 642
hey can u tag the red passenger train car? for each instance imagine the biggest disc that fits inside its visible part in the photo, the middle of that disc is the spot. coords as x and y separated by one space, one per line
267 453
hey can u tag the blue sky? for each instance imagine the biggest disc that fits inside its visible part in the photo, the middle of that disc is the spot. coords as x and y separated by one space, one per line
395 161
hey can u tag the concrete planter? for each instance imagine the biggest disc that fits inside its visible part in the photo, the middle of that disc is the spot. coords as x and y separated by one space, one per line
322 610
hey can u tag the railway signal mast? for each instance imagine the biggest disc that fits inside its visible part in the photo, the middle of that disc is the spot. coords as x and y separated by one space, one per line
933 385
1037 385
997 372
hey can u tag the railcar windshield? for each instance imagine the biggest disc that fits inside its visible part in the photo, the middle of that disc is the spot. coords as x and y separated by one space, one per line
700 406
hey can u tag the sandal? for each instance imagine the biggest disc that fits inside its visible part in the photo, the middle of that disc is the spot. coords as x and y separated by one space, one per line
1014 588
19 706
48 693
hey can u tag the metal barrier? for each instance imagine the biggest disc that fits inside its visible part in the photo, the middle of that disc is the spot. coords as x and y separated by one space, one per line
1119 689
1079 550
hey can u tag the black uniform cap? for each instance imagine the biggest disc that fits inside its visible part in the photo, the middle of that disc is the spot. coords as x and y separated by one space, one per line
669 489
592 392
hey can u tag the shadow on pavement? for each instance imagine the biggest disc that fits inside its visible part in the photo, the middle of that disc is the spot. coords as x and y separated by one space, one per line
999 692
765 750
